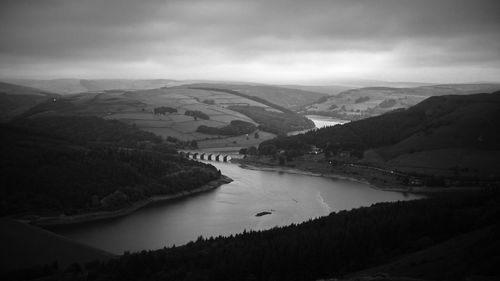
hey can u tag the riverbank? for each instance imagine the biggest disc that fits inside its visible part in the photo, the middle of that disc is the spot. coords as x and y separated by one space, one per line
361 177
81 218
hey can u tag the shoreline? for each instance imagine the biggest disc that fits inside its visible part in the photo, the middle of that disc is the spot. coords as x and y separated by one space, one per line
101 215
396 188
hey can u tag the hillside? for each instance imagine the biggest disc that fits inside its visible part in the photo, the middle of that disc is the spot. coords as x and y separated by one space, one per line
454 136
15 99
168 112
366 102
55 165
287 97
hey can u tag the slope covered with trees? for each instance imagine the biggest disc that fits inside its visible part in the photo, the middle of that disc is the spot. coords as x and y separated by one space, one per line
452 131
72 165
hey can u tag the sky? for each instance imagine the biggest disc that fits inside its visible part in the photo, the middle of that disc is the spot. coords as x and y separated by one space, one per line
272 41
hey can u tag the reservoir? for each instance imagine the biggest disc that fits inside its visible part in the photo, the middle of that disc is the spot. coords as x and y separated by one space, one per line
229 209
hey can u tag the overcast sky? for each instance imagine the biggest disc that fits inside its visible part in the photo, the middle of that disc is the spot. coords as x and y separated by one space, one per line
278 41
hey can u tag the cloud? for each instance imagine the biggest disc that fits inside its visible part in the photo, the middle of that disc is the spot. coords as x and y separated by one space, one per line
239 39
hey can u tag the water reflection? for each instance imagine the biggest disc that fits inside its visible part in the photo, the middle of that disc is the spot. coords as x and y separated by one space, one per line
230 209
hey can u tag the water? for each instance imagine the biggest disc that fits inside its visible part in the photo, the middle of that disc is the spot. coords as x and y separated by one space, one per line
229 209
319 122
323 121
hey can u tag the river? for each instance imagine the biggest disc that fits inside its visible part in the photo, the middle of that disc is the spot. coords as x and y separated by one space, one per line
319 122
229 209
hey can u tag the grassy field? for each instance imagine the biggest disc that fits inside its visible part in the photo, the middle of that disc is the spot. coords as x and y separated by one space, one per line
367 102
136 108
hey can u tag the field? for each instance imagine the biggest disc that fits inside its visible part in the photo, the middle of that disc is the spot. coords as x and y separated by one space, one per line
367 102
137 108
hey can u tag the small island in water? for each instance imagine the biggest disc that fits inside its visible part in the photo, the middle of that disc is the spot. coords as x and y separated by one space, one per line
260 214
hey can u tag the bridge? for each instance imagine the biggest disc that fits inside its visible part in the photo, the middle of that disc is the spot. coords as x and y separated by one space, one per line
208 156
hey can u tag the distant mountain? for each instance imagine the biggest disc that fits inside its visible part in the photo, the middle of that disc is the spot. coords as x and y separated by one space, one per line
15 99
72 86
448 135
366 102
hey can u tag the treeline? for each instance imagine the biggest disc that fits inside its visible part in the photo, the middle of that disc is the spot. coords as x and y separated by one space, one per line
197 114
235 128
164 109
57 170
327 247
274 122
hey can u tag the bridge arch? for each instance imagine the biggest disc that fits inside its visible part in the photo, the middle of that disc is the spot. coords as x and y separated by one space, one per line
195 156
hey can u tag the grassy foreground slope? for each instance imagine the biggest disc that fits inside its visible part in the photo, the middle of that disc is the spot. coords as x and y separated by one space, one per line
448 135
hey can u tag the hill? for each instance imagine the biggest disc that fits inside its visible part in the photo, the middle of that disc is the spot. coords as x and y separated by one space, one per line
168 112
15 99
453 136
287 97
73 86
366 102
55 166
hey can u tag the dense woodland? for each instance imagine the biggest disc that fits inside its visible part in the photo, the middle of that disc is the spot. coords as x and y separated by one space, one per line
332 246
444 121
235 128
88 129
74 165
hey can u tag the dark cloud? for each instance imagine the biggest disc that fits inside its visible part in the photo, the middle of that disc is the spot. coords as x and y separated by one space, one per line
175 37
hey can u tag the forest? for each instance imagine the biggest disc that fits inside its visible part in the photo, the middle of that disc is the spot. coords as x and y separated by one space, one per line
73 165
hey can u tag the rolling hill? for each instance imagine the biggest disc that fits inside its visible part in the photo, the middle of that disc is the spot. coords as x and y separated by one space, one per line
366 102
452 135
287 97
73 86
170 112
